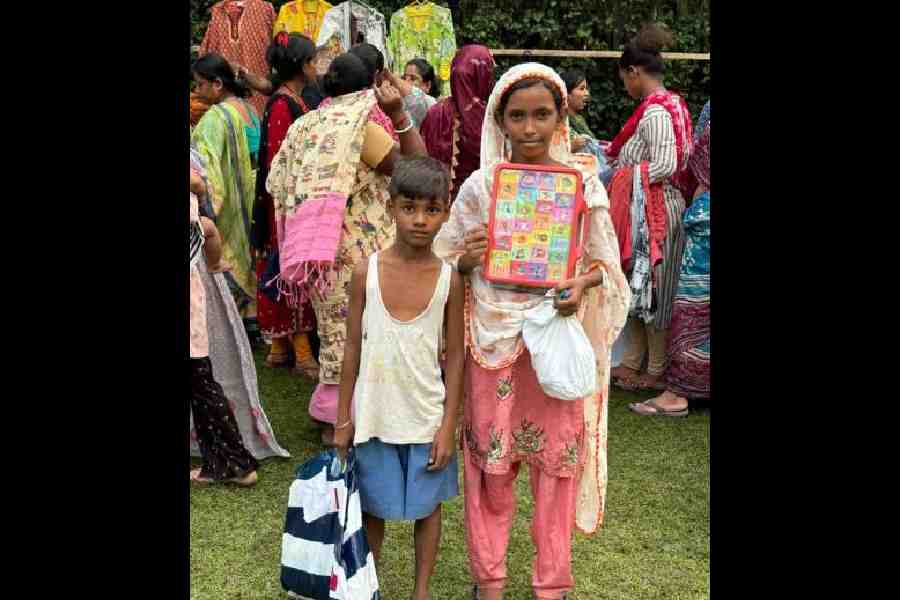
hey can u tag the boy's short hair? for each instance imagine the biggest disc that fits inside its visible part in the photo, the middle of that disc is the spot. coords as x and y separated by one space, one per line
420 177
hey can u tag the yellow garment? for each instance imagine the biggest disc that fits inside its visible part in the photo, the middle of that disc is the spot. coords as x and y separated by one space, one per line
377 143
280 346
419 15
303 17
302 349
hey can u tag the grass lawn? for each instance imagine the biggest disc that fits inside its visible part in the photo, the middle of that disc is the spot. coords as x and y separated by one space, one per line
654 542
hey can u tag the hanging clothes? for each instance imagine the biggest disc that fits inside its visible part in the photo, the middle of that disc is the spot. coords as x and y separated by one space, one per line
423 32
241 31
303 16
349 24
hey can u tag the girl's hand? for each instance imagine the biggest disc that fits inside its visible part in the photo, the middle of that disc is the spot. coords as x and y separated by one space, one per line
568 296
389 99
476 245
441 448
578 143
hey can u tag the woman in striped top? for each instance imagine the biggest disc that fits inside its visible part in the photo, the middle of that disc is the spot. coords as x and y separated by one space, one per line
655 143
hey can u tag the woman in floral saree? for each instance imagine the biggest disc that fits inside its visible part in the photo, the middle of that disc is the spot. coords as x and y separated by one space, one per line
508 419
329 185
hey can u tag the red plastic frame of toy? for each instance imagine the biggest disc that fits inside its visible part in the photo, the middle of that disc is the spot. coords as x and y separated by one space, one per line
577 234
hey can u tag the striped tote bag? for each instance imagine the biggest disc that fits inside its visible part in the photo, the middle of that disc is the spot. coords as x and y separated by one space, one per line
324 551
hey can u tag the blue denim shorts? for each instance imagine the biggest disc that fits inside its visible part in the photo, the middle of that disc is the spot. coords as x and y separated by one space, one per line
394 482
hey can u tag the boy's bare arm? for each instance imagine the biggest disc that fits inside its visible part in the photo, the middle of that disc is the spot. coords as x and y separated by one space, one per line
343 434
444 444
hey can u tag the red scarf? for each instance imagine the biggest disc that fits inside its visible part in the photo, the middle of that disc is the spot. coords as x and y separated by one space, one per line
681 123
620 191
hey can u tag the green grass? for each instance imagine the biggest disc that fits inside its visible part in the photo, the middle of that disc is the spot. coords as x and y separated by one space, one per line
654 542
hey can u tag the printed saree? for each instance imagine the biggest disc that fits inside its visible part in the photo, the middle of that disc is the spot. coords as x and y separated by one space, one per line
221 141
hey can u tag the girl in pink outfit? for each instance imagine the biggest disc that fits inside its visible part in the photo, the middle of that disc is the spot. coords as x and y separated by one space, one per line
508 419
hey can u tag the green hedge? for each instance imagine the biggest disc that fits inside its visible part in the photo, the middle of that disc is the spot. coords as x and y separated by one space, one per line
573 25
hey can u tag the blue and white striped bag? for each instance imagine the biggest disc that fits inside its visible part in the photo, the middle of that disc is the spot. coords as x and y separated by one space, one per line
324 551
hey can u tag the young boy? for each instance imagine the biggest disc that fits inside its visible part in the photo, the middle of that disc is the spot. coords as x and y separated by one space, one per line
404 417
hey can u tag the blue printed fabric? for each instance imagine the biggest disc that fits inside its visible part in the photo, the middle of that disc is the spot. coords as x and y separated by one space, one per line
641 280
604 171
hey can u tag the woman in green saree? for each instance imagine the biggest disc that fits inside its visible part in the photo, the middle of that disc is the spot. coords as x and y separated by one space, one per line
224 138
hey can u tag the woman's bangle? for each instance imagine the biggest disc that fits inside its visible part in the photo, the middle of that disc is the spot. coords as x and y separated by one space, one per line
408 127
345 425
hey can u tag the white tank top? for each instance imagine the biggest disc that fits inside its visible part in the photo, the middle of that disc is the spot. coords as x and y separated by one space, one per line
399 395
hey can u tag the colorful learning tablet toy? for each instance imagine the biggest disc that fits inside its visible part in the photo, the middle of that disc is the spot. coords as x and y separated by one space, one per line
535 229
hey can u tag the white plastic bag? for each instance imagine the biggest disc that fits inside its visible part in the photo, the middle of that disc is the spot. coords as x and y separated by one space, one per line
561 353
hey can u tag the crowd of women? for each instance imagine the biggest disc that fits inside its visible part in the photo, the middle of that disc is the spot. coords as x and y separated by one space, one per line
284 272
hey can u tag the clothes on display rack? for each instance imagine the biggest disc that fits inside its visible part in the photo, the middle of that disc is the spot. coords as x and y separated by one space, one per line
303 16
240 31
423 31
348 24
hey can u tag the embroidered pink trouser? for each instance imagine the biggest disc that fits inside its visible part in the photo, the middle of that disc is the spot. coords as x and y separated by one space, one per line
490 502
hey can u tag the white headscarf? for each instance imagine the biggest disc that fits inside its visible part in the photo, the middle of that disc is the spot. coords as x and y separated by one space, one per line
493 141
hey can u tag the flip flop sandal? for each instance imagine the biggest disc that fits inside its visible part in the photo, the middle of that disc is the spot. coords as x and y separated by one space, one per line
659 411
629 384
197 480
641 385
